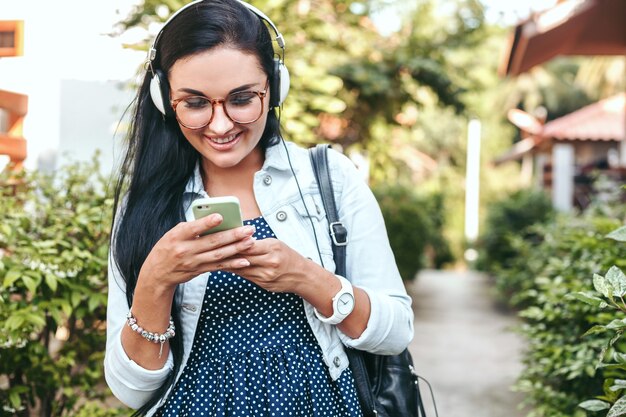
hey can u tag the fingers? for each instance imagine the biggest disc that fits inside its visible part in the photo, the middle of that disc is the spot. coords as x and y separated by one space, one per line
222 257
227 251
216 255
195 228
269 254
235 236
231 265
263 247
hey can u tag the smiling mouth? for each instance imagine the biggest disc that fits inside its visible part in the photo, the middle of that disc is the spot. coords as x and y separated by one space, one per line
223 140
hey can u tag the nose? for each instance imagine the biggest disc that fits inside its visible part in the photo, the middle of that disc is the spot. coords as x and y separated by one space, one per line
220 123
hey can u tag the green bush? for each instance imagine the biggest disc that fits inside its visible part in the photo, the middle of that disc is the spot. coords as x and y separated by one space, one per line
559 363
507 219
609 294
54 237
512 229
415 227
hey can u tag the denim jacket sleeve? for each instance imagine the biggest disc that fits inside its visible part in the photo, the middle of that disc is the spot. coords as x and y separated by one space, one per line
130 383
370 263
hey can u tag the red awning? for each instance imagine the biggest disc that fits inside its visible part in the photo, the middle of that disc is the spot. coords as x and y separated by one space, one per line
572 27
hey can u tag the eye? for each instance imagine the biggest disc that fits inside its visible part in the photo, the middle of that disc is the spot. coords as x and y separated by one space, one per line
241 99
196 102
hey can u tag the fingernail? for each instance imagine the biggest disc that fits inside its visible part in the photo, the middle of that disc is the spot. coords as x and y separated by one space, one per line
244 262
217 217
250 229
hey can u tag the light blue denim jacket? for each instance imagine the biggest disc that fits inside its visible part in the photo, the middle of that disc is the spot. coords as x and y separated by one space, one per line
370 266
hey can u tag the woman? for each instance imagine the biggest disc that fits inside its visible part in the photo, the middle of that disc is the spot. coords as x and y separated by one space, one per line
243 322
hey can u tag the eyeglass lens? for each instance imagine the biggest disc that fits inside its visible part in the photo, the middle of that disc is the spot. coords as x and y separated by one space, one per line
241 107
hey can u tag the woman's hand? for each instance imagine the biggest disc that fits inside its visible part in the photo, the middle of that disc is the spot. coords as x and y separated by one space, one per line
177 257
182 253
275 267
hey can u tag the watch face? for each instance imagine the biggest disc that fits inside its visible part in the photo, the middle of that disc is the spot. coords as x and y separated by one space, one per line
345 304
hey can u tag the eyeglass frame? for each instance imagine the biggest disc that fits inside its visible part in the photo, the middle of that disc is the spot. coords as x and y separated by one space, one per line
261 94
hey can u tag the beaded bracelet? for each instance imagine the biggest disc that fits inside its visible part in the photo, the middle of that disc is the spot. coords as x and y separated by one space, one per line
170 332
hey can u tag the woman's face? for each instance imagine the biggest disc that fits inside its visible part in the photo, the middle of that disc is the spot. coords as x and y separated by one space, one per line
215 74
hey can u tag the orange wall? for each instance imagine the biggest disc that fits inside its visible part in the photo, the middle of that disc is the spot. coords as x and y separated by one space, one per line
12 142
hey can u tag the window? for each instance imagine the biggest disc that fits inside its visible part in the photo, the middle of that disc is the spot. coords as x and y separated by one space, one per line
11 38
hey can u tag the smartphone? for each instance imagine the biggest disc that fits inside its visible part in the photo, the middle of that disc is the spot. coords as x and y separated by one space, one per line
227 206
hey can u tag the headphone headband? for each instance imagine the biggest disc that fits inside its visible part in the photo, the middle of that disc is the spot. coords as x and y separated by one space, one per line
280 40
159 89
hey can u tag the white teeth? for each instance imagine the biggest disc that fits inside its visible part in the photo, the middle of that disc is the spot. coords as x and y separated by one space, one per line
224 140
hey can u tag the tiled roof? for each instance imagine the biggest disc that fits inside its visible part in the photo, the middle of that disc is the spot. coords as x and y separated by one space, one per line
603 120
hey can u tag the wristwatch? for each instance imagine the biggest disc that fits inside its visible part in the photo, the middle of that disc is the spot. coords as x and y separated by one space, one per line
343 303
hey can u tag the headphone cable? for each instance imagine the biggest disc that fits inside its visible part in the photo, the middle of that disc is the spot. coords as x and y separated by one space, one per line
293 172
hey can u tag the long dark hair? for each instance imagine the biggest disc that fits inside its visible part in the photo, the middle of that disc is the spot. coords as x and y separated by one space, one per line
159 160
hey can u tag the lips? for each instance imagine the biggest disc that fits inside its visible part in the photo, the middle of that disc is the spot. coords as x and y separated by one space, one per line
224 139
223 142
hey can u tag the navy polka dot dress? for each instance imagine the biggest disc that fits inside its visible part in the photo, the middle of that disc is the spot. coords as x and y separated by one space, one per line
254 354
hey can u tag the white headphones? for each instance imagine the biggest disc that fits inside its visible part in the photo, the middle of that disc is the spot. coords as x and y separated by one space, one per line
159 89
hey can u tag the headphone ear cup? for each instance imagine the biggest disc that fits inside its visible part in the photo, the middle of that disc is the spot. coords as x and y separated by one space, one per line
284 82
160 93
279 86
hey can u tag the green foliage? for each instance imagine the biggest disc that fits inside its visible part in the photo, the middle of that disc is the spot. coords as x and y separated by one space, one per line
345 75
610 290
54 239
509 234
415 227
560 365
96 409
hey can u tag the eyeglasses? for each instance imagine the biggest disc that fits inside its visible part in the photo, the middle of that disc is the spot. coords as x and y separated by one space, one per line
243 107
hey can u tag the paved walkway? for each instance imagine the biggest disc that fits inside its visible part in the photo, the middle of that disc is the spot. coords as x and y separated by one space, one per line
464 346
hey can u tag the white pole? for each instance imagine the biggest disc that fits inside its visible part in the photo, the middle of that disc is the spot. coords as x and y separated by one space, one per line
472 185
563 160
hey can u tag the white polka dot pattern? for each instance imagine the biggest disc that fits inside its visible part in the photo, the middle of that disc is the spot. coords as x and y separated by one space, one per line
254 354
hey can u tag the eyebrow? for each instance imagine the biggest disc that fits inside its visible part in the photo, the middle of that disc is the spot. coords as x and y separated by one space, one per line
244 87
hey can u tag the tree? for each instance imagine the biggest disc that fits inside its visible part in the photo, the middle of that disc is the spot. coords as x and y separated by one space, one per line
345 75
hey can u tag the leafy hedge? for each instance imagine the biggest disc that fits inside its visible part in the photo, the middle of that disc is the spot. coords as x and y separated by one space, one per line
415 225
510 233
54 238
544 265
559 363
609 294
538 263
510 218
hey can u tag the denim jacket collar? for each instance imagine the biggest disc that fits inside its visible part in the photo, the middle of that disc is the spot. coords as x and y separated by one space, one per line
275 158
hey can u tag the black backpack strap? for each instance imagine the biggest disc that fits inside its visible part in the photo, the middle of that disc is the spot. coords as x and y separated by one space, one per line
357 358
338 232
339 237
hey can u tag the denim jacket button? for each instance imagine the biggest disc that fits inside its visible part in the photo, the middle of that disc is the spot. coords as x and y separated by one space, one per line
281 216
267 180
337 361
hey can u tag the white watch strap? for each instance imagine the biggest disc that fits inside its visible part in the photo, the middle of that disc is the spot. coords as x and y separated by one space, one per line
337 317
